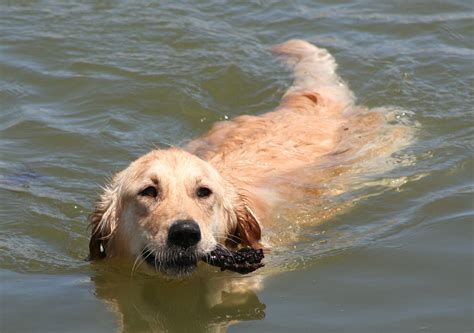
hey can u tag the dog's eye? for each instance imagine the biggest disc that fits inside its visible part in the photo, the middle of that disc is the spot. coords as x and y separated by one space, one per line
203 192
150 191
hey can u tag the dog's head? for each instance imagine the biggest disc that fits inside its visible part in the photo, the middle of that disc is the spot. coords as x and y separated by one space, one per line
170 208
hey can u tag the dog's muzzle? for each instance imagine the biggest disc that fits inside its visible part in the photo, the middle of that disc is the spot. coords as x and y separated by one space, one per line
179 257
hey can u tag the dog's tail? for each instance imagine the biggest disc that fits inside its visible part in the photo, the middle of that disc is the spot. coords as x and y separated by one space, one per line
314 70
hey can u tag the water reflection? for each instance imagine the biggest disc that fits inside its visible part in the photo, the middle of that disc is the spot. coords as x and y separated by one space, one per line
207 302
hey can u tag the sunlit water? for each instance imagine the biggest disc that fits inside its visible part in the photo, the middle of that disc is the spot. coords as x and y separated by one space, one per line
85 89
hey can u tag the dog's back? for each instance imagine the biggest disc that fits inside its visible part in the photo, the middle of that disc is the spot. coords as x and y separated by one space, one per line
315 134
307 125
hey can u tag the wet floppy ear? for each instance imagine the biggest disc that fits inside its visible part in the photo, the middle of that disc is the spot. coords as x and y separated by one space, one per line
247 231
103 220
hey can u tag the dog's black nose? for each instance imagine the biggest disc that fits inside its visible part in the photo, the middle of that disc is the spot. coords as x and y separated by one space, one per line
184 233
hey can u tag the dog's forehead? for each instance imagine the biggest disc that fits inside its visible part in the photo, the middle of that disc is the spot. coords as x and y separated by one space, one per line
171 163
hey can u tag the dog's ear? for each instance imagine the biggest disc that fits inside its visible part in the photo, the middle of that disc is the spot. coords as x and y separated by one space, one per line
103 220
247 231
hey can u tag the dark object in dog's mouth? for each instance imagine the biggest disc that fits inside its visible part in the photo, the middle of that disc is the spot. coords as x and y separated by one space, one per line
243 261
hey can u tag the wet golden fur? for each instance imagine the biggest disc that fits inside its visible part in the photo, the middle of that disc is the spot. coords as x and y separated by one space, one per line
250 163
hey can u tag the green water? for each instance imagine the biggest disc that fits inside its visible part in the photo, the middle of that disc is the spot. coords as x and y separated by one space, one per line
86 88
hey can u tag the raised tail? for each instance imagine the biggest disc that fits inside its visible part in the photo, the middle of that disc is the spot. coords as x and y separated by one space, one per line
314 70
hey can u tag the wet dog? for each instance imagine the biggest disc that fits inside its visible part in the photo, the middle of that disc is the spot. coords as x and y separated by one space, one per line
172 207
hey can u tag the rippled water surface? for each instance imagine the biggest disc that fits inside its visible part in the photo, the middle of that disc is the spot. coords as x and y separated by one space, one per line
86 88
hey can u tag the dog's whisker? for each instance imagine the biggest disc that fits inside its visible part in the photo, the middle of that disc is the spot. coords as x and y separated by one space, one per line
137 259
157 255
231 238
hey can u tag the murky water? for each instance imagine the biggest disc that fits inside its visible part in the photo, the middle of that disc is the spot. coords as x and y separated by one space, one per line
86 88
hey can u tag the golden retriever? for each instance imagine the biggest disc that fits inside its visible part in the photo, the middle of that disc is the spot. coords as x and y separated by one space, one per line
171 207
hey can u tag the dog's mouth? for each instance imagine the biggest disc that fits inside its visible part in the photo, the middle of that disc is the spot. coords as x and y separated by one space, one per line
172 261
180 263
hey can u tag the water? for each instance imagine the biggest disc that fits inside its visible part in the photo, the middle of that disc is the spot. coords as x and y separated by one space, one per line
86 88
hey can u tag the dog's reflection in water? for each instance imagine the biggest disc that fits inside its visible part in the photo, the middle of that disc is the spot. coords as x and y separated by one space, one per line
209 301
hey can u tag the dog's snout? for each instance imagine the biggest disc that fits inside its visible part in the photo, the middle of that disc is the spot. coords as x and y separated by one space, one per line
184 233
